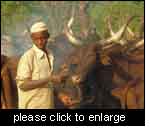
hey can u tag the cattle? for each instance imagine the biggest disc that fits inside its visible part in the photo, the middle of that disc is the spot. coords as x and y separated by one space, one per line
91 91
9 95
90 82
130 70
97 80
90 72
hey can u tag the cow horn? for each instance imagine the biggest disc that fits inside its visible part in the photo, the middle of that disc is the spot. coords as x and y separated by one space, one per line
118 35
69 33
109 26
139 44
115 42
131 33
136 46
112 33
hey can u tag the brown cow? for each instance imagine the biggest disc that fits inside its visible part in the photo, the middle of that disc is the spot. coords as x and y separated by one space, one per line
130 69
9 95
92 90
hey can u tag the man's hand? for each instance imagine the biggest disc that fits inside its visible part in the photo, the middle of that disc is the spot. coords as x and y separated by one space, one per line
55 79
76 79
58 78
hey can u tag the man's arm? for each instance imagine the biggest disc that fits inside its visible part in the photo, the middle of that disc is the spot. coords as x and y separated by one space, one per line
29 84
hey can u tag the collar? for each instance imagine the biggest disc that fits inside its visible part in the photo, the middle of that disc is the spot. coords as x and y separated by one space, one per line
38 51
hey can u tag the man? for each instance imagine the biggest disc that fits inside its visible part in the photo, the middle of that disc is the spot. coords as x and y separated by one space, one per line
34 73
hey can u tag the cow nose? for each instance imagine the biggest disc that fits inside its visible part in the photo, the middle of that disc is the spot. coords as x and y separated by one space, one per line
76 79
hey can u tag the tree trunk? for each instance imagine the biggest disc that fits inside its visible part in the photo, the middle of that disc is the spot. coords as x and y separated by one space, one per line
83 18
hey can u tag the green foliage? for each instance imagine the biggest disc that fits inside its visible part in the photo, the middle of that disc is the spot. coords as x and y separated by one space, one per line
12 13
16 12
118 11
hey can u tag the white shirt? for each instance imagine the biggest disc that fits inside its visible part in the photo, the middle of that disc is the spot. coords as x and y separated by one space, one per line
34 65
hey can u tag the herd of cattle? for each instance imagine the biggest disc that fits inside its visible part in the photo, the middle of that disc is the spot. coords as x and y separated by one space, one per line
110 72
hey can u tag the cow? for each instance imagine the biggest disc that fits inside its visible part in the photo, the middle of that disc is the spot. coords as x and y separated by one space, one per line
84 62
92 90
130 69
94 78
9 94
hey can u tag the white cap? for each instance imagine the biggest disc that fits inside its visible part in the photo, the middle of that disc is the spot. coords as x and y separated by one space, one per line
38 27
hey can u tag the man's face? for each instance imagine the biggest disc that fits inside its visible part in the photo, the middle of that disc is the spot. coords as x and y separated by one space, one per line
40 39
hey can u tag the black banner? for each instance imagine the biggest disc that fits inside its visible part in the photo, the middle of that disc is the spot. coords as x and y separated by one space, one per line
72 117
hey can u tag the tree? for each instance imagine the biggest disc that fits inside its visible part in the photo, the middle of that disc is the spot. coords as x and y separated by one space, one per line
83 18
